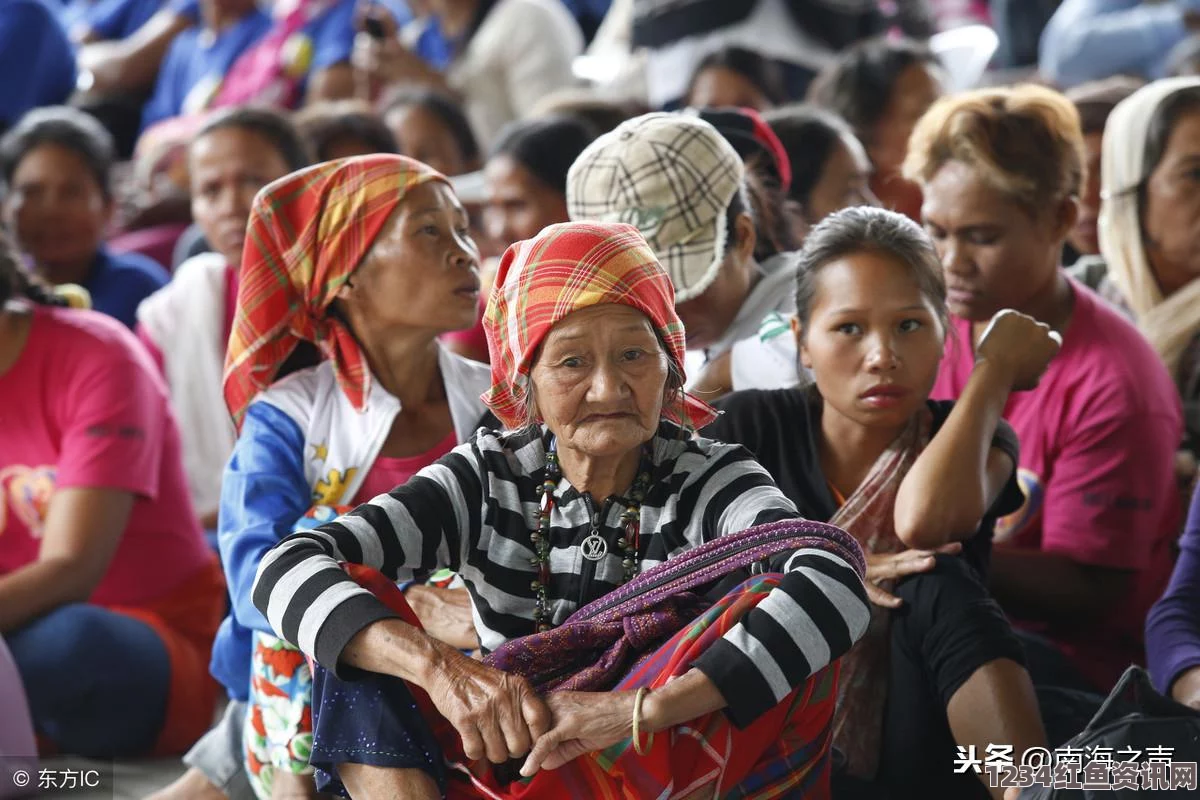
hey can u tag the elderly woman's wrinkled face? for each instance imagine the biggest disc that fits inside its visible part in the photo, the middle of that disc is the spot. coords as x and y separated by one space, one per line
423 270
1171 212
599 381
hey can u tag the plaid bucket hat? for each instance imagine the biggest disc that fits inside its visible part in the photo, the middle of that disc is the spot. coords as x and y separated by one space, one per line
672 176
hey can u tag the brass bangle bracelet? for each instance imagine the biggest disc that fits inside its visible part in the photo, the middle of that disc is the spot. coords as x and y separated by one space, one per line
637 723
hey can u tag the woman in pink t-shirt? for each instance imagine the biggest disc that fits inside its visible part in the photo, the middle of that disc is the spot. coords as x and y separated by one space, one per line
1088 553
109 598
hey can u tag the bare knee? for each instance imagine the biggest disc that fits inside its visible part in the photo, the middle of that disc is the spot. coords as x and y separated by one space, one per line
362 781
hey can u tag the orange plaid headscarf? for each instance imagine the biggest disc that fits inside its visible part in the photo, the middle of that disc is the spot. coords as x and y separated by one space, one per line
308 232
565 268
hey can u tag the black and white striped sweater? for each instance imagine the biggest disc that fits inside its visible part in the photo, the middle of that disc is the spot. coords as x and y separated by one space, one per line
473 511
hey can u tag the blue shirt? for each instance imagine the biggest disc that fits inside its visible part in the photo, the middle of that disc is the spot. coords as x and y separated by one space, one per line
119 282
1091 39
263 494
110 19
37 63
196 62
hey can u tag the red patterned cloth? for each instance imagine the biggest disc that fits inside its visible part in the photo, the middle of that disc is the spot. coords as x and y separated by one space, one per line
308 233
565 268
783 753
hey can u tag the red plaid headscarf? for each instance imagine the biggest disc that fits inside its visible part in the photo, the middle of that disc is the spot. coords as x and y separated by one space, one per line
308 232
564 268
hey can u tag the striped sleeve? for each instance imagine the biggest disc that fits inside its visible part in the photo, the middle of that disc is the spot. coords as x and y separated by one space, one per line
810 619
421 526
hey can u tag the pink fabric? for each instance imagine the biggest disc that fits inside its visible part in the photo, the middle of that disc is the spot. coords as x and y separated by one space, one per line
84 407
388 473
157 242
1098 438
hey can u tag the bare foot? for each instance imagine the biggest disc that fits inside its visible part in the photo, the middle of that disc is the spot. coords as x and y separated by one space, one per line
192 785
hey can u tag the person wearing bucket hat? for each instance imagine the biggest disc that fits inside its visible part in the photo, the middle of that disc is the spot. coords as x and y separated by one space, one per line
581 529
363 261
683 185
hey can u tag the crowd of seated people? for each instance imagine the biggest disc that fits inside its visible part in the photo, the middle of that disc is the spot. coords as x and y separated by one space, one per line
631 394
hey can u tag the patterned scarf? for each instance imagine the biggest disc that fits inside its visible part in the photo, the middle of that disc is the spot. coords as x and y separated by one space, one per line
565 268
869 516
1168 323
308 232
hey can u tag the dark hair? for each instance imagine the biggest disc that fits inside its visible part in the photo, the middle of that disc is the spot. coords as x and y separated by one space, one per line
774 228
809 135
1095 100
1184 101
323 125
66 127
442 106
546 146
863 229
859 84
268 123
765 74
602 113
17 281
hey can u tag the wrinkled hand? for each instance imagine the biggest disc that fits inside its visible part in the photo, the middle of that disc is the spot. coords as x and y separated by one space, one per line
897 565
497 715
1020 345
445 614
583 722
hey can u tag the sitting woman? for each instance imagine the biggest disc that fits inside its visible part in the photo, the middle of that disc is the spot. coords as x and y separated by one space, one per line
915 481
882 86
186 324
58 203
683 184
370 262
1151 254
430 127
593 512
830 168
109 598
336 129
1082 561
736 77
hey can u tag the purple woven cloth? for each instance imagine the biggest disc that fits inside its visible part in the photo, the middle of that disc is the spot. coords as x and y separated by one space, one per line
601 642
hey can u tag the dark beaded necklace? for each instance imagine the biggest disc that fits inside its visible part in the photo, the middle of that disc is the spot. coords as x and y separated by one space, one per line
594 546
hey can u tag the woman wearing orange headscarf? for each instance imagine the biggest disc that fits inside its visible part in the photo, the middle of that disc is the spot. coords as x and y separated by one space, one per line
369 260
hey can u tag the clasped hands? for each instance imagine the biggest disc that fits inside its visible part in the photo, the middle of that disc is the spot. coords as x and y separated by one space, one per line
499 716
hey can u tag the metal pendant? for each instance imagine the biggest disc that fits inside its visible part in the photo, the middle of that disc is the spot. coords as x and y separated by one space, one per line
594 548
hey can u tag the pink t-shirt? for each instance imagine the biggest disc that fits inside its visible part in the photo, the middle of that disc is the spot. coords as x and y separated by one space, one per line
388 473
84 407
1098 438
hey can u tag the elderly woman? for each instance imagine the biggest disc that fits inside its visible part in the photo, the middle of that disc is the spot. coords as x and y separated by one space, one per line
327 266
593 513
1149 234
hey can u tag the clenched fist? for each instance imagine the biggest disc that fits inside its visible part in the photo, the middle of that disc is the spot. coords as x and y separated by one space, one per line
1019 346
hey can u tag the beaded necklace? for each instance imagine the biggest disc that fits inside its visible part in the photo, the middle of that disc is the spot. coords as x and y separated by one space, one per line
594 546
